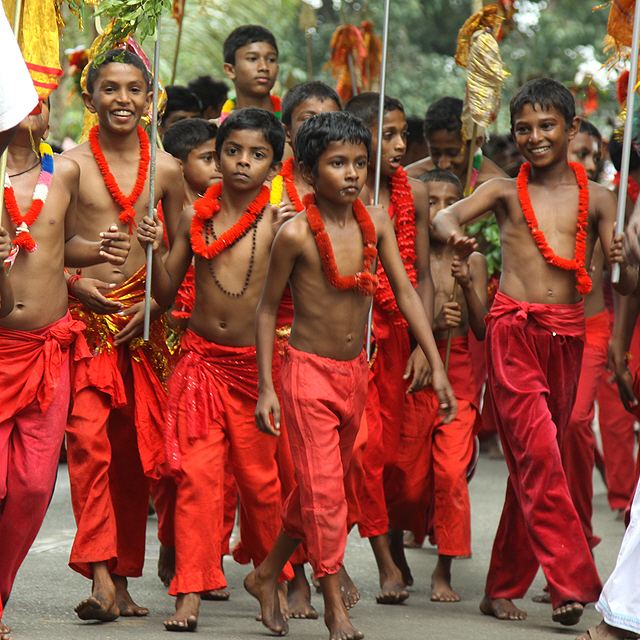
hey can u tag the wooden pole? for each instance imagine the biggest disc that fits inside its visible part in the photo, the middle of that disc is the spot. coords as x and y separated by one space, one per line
178 39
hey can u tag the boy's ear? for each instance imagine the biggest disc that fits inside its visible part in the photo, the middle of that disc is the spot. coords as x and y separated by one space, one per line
274 171
574 128
87 98
307 174
182 164
229 70
148 101
479 141
216 159
287 132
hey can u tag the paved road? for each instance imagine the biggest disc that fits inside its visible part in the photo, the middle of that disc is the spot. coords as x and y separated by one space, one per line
46 590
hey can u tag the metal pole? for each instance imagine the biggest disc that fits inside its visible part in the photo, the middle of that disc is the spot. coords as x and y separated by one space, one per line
152 180
628 125
376 193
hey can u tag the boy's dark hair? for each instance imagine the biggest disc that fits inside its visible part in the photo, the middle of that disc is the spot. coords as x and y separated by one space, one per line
186 135
442 175
301 92
317 133
181 99
615 153
444 113
254 120
590 129
365 106
415 130
212 93
244 35
545 93
122 56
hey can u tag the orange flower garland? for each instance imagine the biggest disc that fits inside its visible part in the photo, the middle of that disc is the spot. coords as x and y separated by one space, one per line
583 281
128 214
206 207
290 185
364 281
404 210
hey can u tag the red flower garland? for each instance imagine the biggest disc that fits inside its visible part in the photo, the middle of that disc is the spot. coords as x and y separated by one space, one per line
583 281
290 185
364 281
404 211
128 214
206 207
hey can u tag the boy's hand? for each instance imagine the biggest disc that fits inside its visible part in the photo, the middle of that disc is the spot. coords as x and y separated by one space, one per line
115 245
419 365
281 214
150 232
622 375
448 404
268 406
616 251
460 270
463 245
452 314
632 240
136 324
5 244
87 290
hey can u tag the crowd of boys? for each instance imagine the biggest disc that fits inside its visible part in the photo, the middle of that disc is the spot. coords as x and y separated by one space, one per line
254 394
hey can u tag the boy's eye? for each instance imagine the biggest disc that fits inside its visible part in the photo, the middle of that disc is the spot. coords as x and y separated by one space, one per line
361 163
259 155
336 163
432 203
232 151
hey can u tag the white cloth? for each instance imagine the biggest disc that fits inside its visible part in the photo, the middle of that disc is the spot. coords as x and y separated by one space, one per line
18 96
620 598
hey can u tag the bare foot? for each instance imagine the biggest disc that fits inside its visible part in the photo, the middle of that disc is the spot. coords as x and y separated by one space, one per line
410 541
186 616
340 627
166 564
124 601
491 446
502 609
543 598
603 631
620 515
266 593
4 632
348 590
217 595
392 588
568 614
441 589
396 546
299 596
101 605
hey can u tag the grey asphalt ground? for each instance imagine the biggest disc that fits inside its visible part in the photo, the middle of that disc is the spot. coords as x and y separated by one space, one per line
46 590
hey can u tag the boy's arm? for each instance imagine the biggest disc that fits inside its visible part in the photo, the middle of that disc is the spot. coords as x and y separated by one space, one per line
473 277
411 307
6 292
284 253
172 196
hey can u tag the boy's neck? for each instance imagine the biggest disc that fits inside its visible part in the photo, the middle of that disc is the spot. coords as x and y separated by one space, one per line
302 187
260 102
21 157
439 249
551 174
235 202
190 194
116 142
329 210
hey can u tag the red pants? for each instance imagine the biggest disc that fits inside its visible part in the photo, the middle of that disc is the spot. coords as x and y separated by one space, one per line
534 353
227 422
35 364
578 445
323 401
385 402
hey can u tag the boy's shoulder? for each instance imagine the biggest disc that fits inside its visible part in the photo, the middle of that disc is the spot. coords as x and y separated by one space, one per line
166 161
65 167
601 196
80 153
418 188
489 170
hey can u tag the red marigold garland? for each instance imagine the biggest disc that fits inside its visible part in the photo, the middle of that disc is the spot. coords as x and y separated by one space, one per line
577 264
364 281
128 214
206 207
404 210
290 185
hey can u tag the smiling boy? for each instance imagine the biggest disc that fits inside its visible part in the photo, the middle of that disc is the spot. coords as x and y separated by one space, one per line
534 344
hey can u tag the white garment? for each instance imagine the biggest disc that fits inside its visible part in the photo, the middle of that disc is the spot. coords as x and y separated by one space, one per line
18 96
620 598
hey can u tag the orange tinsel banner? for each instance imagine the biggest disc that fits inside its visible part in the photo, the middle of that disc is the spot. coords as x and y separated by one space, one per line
177 11
347 42
373 58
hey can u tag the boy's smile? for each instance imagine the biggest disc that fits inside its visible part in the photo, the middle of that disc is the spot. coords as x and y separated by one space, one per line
394 141
255 69
245 159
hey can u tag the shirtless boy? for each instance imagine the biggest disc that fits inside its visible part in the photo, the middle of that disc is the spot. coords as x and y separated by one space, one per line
38 338
534 343
114 436
214 388
326 358
407 202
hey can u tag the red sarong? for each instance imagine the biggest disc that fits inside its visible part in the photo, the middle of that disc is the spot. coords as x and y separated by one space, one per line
212 398
534 352
323 401
34 402
115 436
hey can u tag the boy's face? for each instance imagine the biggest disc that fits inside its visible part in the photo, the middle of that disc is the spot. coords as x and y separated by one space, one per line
542 135
310 107
200 168
587 151
342 172
120 97
448 152
441 196
37 123
255 70
394 142
245 160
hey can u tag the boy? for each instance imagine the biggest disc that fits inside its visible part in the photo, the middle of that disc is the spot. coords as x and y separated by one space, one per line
447 150
38 338
434 457
182 104
534 343
114 434
228 229
251 62
212 94
324 370
406 201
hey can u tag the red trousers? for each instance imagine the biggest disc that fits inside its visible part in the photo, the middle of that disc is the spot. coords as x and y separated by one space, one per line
323 401
578 445
35 385
534 354
384 408
218 415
